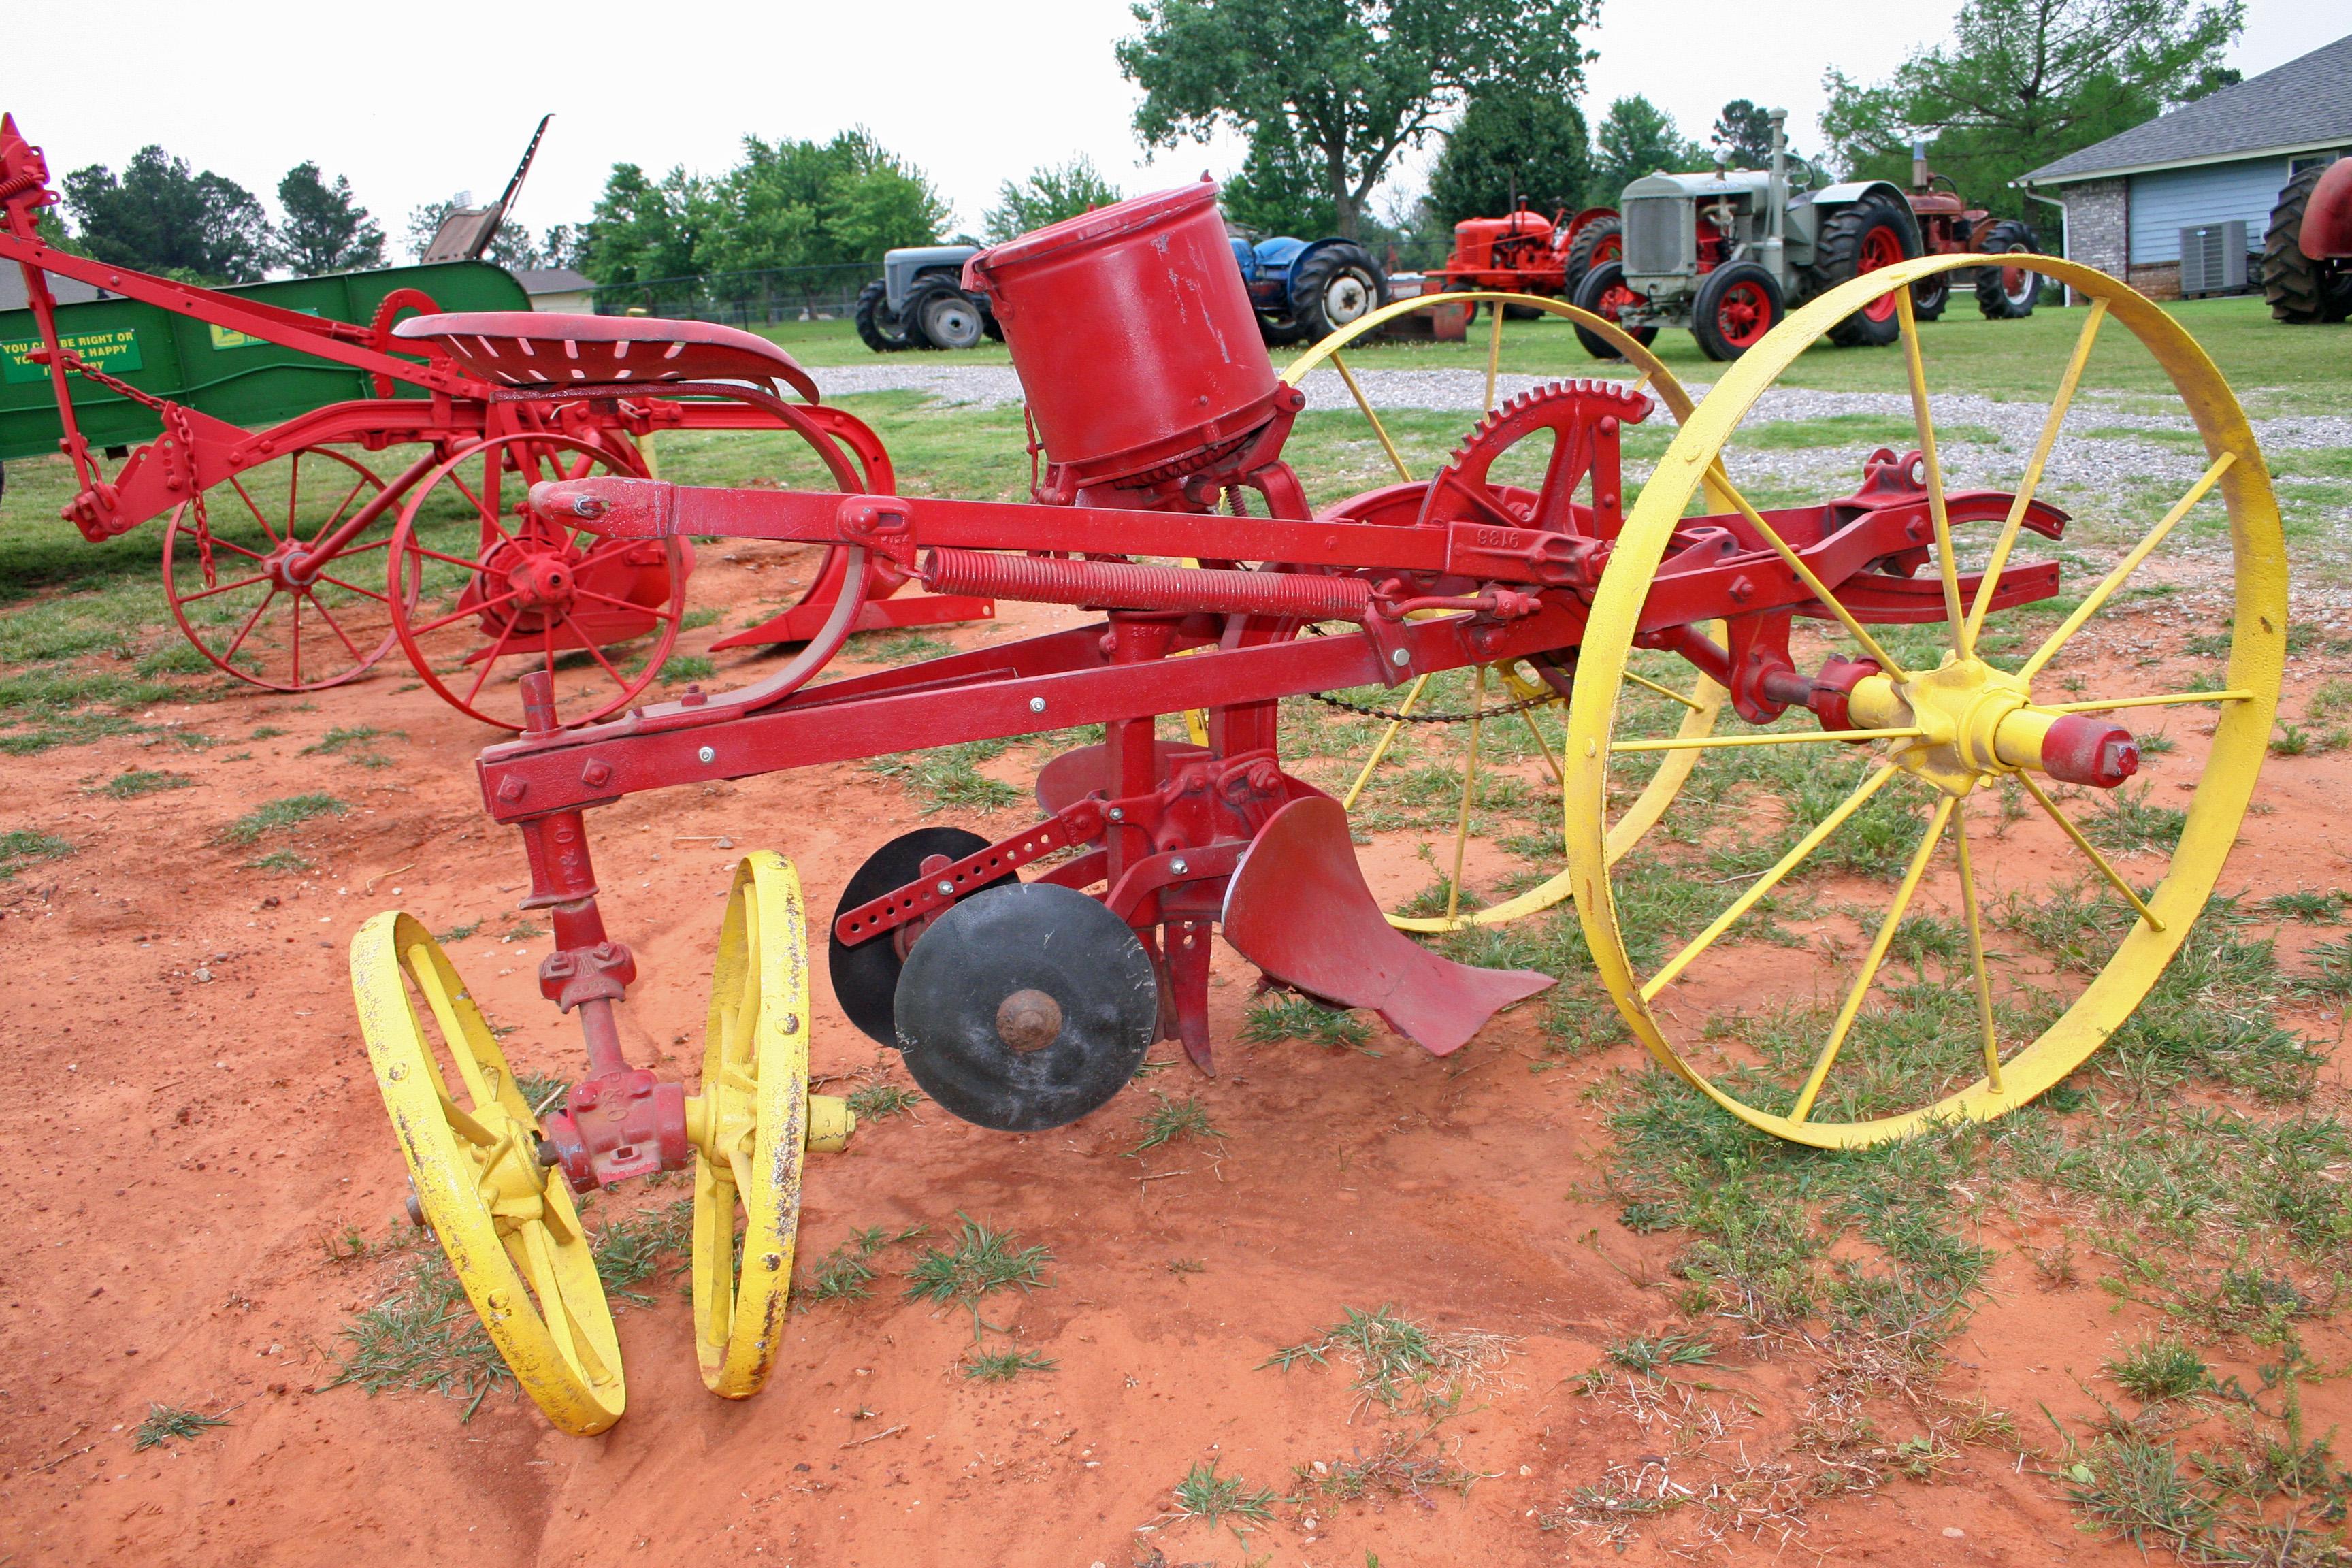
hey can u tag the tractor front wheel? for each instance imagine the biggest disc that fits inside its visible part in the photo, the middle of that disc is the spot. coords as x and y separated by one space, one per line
2007 293
1604 293
1736 306
938 315
1602 239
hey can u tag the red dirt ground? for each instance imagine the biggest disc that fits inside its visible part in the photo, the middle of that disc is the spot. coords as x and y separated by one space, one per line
192 1120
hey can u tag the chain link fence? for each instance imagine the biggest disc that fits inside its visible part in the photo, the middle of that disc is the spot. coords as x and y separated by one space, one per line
758 299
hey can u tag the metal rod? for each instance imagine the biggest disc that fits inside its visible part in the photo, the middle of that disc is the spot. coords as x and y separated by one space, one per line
1388 737
1469 788
1798 738
2041 450
2115 879
2130 563
1365 404
1976 944
1946 568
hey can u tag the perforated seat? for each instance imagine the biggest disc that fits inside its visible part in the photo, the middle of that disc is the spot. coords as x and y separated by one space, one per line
526 348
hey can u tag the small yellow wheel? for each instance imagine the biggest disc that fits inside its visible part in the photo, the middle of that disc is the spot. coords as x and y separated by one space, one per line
750 1125
1513 694
505 1219
1816 1038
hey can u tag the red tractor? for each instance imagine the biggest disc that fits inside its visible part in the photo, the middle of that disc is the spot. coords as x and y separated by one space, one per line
2308 254
1527 252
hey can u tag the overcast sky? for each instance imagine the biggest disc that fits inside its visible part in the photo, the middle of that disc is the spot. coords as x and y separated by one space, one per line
423 100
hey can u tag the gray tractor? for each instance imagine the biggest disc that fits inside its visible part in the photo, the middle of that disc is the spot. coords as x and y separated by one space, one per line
1726 255
919 303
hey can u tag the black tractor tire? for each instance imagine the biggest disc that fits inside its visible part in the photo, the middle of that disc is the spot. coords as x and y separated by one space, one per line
1336 287
1579 259
878 324
2298 288
1930 295
1846 237
988 321
1596 287
1995 302
1737 305
938 315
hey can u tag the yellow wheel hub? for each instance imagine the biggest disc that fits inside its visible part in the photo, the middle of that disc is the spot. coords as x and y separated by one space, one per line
504 1219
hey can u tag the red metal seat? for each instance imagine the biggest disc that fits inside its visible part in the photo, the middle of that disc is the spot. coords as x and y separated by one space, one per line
528 348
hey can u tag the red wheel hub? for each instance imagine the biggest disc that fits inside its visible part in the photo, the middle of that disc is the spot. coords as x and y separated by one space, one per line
1881 247
1617 300
1744 316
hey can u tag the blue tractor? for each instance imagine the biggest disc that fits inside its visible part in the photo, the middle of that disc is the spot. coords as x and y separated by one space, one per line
1306 289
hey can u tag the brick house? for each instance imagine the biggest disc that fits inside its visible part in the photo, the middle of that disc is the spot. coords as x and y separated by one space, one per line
2218 160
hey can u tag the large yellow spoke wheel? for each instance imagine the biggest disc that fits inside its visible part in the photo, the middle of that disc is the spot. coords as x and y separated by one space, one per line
751 1126
1815 1037
503 1216
1511 696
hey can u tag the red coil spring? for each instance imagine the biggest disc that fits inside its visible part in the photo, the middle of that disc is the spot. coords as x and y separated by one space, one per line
1118 584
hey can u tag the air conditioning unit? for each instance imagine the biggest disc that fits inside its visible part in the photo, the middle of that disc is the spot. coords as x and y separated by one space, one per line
2212 259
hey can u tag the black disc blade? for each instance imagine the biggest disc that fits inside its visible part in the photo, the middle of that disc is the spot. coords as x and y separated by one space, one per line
865 975
1026 1007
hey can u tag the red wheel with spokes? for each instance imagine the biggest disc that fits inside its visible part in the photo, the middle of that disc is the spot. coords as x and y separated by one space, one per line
1737 305
1881 247
264 572
532 595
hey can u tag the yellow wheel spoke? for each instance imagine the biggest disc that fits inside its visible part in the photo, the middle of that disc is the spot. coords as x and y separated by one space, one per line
1543 747
2115 879
1469 789
1770 879
453 1032
1793 738
1378 429
1721 480
1976 944
1876 956
1946 567
2169 700
1388 739
1493 349
2123 569
1663 690
2033 466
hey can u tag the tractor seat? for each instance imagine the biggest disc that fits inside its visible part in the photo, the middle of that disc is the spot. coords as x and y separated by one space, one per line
528 348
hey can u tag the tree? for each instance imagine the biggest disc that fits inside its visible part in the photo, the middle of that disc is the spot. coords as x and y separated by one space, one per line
160 217
2022 83
1274 192
1339 87
1049 194
1637 138
817 203
1743 133
326 230
1512 146
644 229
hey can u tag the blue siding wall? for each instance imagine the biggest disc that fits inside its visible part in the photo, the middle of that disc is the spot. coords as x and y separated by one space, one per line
2166 202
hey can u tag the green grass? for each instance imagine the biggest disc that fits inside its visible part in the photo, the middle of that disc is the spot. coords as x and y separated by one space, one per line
282 862
2158 1368
1395 1358
167 1423
1171 1120
881 1101
847 1273
977 1264
1648 1354
140 782
1280 1016
1215 1499
947 778
24 847
276 816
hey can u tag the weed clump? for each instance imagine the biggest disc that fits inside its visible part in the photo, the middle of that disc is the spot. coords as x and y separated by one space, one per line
165 1422
276 816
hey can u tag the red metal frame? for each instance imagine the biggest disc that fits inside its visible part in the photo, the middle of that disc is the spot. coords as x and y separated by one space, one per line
472 400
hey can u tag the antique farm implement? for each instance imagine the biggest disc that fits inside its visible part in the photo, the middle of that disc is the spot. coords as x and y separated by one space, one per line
293 563
1023 977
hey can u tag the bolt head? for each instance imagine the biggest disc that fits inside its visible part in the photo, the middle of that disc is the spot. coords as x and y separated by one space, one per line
1399 657
510 790
1118 814
595 774
707 755
1178 866
945 887
1036 705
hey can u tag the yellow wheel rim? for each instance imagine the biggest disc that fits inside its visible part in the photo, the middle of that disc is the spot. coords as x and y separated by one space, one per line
1702 699
2246 706
505 1221
750 1125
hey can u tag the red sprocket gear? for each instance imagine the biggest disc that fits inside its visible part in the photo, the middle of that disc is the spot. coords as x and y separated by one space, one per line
1583 417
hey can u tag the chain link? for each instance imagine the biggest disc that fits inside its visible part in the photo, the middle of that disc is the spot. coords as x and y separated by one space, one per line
1525 704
